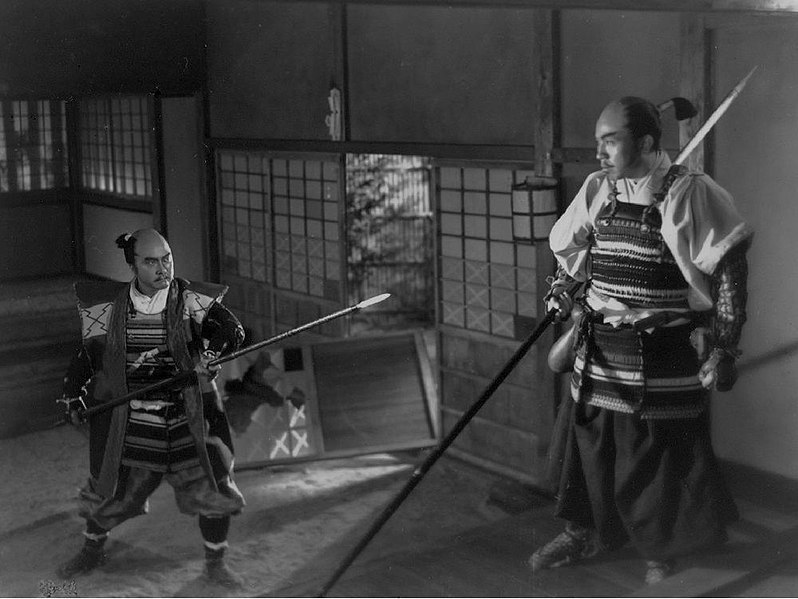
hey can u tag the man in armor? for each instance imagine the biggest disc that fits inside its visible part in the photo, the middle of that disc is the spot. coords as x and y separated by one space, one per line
137 334
664 300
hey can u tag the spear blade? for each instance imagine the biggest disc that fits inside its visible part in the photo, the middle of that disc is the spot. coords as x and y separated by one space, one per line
713 118
373 300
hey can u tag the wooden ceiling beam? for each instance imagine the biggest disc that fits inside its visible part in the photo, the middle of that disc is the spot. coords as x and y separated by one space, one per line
708 6
694 85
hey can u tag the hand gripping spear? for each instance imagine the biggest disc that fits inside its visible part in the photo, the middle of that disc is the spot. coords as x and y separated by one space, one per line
188 374
422 469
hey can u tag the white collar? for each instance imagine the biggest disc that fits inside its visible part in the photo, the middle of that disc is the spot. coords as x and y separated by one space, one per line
146 304
643 191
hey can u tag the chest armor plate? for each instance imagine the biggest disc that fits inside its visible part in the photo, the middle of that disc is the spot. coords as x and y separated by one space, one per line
630 261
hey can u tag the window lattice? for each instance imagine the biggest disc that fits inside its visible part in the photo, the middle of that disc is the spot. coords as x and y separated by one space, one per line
280 221
244 189
33 145
486 279
306 227
115 145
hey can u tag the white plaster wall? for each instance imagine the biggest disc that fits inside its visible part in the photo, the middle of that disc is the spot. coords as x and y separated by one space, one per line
757 160
101 227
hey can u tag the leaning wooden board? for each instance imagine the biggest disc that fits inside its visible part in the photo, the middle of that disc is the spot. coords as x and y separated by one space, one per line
330 399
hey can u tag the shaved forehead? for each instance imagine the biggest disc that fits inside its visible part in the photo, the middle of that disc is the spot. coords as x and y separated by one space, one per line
150 243
611 120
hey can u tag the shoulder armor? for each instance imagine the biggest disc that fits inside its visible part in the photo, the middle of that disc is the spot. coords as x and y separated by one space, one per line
95 301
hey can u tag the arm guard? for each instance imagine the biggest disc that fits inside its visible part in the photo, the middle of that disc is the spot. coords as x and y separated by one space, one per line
730 294
222 330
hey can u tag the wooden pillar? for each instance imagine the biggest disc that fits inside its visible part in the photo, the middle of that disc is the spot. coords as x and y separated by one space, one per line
12 144
546 40
75 162
158 176
694 77
211 200
340 77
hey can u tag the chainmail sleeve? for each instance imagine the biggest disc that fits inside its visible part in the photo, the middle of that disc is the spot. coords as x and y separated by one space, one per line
730 296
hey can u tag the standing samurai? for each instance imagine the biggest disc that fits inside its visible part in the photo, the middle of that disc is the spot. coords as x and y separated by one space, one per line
134 335
663 308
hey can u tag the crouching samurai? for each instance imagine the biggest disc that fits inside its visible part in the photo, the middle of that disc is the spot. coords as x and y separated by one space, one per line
133 340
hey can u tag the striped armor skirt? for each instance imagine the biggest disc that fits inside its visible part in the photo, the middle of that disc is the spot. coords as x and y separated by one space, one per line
159 440
651 374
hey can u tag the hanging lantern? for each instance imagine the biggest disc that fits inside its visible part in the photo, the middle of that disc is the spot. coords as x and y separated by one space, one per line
535 208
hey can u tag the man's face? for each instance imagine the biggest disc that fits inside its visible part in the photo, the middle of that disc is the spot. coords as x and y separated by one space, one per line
153 264
619 153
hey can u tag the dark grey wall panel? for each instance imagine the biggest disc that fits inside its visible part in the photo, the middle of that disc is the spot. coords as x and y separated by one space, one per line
35 240
58 48
440 74
270 68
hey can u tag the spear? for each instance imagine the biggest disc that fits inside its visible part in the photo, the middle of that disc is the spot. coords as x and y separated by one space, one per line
181 377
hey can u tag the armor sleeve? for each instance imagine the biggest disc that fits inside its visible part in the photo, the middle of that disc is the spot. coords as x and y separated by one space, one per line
222 329
730 296
78 374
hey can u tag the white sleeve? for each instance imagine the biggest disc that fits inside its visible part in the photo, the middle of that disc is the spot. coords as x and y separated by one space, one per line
571 235
700 224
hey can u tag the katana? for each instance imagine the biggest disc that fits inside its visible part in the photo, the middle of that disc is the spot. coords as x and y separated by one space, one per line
182 377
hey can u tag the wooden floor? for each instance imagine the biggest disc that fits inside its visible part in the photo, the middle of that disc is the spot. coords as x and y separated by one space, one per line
491 562
41 332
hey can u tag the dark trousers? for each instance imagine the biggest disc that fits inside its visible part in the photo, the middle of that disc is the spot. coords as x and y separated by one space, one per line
653 482
194 496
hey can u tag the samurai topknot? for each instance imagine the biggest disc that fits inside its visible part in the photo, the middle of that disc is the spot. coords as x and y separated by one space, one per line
127 243
642 118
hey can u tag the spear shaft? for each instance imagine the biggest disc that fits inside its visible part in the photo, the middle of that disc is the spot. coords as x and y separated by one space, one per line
186 375
300 329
